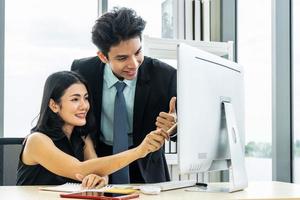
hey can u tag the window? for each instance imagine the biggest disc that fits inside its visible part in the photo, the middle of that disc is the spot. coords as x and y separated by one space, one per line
296 90
159 15
41 37
254 53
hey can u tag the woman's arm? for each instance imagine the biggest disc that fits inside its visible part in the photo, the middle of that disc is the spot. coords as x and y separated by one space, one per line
41 150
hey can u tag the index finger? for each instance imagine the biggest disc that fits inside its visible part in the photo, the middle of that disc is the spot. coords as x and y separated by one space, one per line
84 182
163 133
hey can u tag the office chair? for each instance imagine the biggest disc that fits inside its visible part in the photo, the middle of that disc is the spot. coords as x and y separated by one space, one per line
10 149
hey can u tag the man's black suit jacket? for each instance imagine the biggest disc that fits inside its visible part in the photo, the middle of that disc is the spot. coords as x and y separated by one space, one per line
156 84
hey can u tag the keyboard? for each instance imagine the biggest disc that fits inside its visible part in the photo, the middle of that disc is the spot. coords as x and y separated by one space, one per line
172 185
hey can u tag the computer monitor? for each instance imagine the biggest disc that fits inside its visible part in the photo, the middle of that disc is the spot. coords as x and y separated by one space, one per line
210 103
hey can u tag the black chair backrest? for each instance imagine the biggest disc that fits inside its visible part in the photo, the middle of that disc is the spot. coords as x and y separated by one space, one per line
10 149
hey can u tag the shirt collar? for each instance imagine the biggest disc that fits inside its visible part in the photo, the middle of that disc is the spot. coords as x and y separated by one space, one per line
111 79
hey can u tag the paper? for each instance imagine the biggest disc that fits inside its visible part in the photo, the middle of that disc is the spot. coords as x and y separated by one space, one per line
67 187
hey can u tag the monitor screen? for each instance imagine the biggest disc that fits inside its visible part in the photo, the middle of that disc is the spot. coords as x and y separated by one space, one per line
205 82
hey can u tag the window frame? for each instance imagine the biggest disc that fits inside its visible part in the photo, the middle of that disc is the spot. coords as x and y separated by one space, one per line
2 25
282 153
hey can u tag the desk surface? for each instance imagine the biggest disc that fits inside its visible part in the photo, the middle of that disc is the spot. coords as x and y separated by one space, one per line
256 190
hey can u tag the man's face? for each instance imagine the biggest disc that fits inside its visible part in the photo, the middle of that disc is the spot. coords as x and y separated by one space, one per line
125 58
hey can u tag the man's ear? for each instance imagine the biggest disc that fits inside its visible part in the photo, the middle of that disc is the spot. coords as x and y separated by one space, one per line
102 57
53 106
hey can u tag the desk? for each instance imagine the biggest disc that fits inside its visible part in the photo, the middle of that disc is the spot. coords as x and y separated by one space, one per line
256 190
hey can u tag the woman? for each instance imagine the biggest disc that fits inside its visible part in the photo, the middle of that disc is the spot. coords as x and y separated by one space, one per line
60 148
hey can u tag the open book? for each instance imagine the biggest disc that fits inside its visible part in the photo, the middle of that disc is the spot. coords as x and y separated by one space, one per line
76 187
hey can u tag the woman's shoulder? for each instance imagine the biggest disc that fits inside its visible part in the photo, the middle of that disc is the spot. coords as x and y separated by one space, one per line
35 145
38 138
38 134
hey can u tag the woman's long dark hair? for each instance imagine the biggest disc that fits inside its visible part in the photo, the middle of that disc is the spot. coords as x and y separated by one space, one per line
51 123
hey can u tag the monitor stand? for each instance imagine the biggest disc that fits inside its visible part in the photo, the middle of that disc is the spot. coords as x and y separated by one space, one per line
237 171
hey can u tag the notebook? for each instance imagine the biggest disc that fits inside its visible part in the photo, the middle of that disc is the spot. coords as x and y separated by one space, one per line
76 187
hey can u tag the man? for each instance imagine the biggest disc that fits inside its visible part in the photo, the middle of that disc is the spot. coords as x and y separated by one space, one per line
148 91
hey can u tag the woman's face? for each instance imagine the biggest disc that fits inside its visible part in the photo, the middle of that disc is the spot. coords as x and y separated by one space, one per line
74 105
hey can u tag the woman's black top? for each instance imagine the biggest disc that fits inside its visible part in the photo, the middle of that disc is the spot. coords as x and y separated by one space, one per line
38 175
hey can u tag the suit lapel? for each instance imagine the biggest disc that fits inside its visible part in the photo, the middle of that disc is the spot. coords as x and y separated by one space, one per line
141 99
98 90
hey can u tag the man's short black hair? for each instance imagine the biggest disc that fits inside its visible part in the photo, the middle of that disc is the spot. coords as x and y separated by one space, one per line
113 27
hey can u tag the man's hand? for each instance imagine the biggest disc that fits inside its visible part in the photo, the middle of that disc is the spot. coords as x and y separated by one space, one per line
166 120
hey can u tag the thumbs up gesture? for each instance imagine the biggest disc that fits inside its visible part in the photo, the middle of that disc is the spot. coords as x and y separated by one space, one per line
165 120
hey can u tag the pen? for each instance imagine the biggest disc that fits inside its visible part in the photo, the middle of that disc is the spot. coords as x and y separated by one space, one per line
172 129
